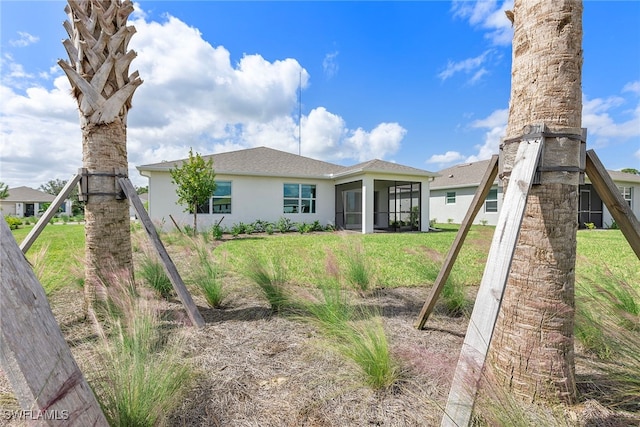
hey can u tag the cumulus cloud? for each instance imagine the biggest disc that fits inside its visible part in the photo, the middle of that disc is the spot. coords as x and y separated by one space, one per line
197 99
633 87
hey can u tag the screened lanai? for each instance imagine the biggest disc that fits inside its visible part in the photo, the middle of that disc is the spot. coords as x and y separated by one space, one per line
396 205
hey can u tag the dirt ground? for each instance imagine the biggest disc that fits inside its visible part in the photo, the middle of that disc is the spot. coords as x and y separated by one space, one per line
255 368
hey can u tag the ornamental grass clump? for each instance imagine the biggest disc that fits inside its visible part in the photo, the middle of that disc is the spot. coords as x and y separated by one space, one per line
208 277
357 270
153 274
270 274
141 377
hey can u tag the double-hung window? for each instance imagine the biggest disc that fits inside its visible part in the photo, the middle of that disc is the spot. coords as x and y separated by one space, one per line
299 198
491 202
450 198
222 198
626 194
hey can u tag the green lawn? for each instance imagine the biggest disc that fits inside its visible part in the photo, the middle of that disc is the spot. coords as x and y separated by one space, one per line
396 259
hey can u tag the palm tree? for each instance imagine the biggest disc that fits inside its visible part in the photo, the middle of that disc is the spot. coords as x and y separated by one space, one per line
98 70
532 347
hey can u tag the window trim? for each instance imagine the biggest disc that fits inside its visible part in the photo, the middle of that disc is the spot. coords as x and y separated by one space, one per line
312 201
492 200
448 196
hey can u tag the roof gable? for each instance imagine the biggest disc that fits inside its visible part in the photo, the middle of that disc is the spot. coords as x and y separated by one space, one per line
462 175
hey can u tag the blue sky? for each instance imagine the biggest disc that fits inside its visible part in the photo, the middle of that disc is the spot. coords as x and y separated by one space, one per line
422 83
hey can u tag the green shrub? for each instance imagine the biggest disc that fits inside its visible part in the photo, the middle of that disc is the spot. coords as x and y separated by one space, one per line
269 229
284 225
304 228
238 228
13 222
217 231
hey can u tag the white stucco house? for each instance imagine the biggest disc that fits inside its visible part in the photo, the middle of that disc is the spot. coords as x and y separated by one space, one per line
453 190
27 202
266 184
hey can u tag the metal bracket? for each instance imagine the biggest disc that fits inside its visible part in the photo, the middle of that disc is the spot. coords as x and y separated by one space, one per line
540 132
84 193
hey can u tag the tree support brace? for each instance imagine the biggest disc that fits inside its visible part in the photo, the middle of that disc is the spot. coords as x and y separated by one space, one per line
85 175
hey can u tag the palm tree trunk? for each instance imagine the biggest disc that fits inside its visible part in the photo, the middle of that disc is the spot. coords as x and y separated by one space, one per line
98 70
531 351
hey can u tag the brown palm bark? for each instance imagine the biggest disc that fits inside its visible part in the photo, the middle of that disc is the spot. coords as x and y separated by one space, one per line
98 70
531 351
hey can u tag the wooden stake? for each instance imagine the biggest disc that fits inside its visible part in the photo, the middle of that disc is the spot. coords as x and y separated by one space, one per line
485 310
610 195
481 194
33 352
167 263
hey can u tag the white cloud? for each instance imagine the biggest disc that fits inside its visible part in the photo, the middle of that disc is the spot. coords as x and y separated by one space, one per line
602 128
467 66
487 15
24 39
446 158
495 125
330 64
192 96
633 87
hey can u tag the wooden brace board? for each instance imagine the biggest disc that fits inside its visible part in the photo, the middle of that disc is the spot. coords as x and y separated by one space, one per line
485 311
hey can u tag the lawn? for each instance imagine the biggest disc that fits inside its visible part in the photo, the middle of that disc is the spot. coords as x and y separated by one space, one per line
306 362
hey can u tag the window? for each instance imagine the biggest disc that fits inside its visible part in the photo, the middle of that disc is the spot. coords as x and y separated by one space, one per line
491 202
220 203
450 199
626 194
299 198
222 198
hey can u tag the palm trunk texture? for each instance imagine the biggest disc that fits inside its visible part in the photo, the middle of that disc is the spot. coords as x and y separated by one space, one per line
98 70
531 352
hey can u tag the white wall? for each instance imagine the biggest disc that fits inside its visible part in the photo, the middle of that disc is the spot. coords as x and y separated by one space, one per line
252 198
443 212
607 219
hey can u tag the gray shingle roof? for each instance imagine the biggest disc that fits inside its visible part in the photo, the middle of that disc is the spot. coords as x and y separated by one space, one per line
462 175
470 174
28 195
261 161
382 166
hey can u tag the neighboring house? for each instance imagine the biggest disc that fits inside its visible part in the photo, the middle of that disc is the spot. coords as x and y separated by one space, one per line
453 191
25 202
266 184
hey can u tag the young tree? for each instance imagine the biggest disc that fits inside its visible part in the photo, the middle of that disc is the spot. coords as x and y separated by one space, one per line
195 179
633 171
98 70
532 347
4 191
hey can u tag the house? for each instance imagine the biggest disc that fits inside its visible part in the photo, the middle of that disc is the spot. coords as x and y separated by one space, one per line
453 191
266 184
25 202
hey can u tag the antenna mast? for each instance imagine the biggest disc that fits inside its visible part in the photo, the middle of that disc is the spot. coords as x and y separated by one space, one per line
300 114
